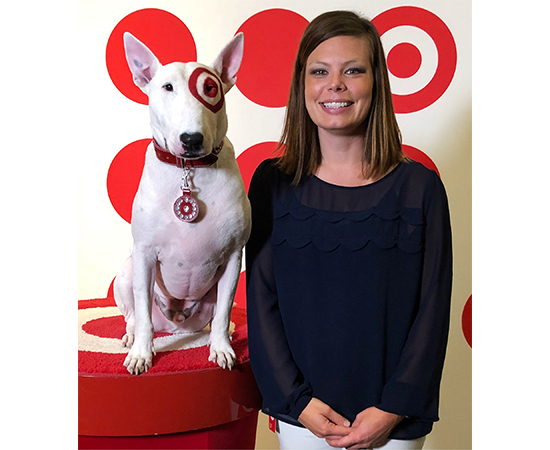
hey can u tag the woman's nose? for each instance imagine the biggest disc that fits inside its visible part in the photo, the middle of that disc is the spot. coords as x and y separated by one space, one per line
337 83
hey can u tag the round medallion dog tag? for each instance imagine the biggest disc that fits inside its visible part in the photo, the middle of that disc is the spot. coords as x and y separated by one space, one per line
186 207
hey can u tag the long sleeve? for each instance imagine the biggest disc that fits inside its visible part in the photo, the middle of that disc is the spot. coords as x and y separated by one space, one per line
413 390
284 390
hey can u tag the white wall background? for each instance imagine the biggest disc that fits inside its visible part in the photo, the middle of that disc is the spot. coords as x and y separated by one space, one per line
108 121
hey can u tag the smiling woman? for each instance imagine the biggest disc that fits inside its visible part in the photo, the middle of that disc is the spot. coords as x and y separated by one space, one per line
349 262
340 60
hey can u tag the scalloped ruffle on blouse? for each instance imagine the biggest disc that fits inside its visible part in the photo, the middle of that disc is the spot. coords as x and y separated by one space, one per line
386 227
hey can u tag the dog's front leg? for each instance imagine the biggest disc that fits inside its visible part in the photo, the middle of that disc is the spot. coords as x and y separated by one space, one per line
140 356
221 351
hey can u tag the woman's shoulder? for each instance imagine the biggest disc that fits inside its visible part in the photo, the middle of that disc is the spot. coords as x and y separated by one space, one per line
268 167
265 178
416 175
268 172
417 169
420 185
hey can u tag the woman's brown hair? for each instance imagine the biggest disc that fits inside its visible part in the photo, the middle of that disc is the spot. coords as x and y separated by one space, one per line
300 142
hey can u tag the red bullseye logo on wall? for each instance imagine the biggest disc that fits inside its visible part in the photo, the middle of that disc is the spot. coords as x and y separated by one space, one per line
405 59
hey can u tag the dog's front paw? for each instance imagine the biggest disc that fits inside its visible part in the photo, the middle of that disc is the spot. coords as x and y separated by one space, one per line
222 353
139 361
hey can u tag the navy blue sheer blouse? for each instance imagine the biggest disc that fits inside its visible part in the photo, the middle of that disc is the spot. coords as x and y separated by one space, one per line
348 292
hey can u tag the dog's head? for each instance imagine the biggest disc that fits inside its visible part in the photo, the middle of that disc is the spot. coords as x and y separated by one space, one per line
186 100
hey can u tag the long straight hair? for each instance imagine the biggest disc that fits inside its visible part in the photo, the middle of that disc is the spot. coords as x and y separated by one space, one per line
300 140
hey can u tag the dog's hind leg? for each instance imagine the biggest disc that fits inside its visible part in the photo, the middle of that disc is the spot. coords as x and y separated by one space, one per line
124 298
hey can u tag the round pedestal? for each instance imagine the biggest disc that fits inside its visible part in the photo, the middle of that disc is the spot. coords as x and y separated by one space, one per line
184 401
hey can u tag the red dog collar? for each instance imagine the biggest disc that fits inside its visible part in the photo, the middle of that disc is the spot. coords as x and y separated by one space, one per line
168 158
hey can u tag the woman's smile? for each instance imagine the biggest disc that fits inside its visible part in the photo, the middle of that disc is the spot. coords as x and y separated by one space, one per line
335 106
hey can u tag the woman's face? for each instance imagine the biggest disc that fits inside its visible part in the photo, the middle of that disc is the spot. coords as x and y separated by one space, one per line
338 85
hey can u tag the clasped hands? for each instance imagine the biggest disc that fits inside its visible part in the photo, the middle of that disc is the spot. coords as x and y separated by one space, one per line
370 429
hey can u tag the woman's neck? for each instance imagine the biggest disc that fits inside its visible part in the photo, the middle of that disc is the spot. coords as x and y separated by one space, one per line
342 160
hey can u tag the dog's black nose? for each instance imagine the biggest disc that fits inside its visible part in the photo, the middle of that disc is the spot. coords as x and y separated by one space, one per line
192 142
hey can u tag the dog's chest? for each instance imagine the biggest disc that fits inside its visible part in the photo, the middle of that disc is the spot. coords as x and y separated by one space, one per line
190 255
185 247
218 227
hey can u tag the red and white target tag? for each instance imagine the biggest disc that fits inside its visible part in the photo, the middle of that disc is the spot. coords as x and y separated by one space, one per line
273 424
186 207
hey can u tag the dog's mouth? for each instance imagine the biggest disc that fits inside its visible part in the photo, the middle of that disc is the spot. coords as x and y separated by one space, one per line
193 154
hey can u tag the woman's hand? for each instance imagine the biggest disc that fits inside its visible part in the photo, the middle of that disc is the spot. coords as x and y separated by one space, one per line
370 429
323 421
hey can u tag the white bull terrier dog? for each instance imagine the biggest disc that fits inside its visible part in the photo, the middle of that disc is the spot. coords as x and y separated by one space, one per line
191 215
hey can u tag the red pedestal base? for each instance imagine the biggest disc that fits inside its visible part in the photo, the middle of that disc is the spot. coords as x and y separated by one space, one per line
183 402
239 434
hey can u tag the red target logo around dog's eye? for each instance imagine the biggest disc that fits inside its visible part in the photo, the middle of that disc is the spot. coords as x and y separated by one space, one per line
206 88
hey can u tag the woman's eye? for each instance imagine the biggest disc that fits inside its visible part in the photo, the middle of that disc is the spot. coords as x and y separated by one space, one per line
318 72
355 71
168 87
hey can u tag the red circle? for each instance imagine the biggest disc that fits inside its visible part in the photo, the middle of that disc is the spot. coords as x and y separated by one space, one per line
467 321
124 175
420 156
250 159
404 60
446 52
186 208
271 40
162 32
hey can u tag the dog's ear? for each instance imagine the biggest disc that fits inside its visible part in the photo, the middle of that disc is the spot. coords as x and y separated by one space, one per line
229 60
142 62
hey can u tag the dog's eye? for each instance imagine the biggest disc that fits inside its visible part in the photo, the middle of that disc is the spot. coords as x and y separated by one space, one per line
210 88
168 87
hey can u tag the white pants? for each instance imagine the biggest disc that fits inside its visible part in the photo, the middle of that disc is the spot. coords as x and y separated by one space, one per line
296 438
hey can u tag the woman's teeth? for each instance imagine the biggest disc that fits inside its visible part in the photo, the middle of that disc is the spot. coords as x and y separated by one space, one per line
335 105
